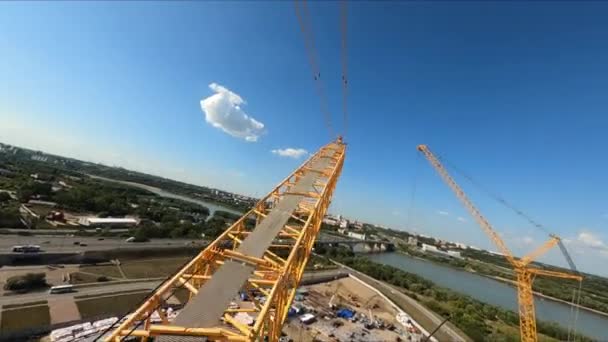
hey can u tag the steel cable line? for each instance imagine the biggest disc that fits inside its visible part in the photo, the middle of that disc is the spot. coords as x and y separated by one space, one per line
344 30
304 21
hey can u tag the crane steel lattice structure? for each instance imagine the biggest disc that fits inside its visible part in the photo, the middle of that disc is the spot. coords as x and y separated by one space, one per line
264 252
525 273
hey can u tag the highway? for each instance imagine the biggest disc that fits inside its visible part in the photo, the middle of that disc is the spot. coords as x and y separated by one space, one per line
67 244
105 289
109 288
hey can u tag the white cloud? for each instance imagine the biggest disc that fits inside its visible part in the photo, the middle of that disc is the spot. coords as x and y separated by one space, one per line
527 240
223 110
444 213
461 219
590 240
294 153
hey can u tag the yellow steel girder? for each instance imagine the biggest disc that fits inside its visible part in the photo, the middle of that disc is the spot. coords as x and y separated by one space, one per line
277 274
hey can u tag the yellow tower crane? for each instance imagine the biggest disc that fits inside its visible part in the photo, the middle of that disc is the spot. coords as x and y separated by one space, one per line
265 251
525 273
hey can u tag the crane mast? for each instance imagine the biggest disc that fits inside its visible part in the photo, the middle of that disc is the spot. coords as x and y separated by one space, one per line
524 274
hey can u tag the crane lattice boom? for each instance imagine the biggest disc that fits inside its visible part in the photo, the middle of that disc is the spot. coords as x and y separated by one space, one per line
265 252
524 273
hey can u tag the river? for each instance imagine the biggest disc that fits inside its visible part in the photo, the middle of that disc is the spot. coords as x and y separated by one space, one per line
213 207
495 292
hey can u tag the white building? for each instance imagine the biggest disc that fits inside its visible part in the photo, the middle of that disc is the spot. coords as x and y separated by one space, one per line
432 249
108 222
343 223
331 221
412 241
358 236
455 254
460 245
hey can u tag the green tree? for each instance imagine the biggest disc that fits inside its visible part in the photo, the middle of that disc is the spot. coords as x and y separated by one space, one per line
26 282
4 197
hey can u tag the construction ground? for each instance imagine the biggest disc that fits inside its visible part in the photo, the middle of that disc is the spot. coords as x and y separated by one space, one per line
350 294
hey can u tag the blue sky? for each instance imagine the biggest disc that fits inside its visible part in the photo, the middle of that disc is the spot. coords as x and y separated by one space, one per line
513 93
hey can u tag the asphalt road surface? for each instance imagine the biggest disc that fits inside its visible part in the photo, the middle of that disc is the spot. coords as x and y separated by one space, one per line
67 244
94 290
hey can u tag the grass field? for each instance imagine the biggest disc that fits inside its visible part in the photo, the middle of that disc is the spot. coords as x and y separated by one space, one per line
153 268
106 270
84 278
116 305
23 318
514 332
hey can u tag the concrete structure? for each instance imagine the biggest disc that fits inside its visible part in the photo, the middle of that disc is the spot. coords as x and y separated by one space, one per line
108 222
429 248
455 254
432 249
28 217
358 236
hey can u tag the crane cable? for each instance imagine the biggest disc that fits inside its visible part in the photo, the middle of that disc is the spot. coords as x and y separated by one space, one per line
578 302
344 50
304 21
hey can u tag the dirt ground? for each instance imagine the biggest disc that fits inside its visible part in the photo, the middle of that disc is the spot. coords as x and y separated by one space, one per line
350 294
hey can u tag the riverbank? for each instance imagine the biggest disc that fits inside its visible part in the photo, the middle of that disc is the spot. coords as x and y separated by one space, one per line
211 204
475 317
500 295
513 283
509 282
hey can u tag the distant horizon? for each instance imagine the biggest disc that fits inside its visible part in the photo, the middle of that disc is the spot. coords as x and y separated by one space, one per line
332 214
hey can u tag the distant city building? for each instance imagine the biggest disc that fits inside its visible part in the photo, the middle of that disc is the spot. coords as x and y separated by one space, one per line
429 248
343 223
108 222
40 158
358 236
460 245
455 254
434 250
412 241
331 221
357 225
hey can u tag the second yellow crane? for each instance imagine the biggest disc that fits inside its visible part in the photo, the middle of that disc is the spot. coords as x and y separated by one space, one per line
524 273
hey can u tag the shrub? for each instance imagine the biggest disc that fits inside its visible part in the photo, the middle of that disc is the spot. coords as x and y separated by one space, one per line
27 282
